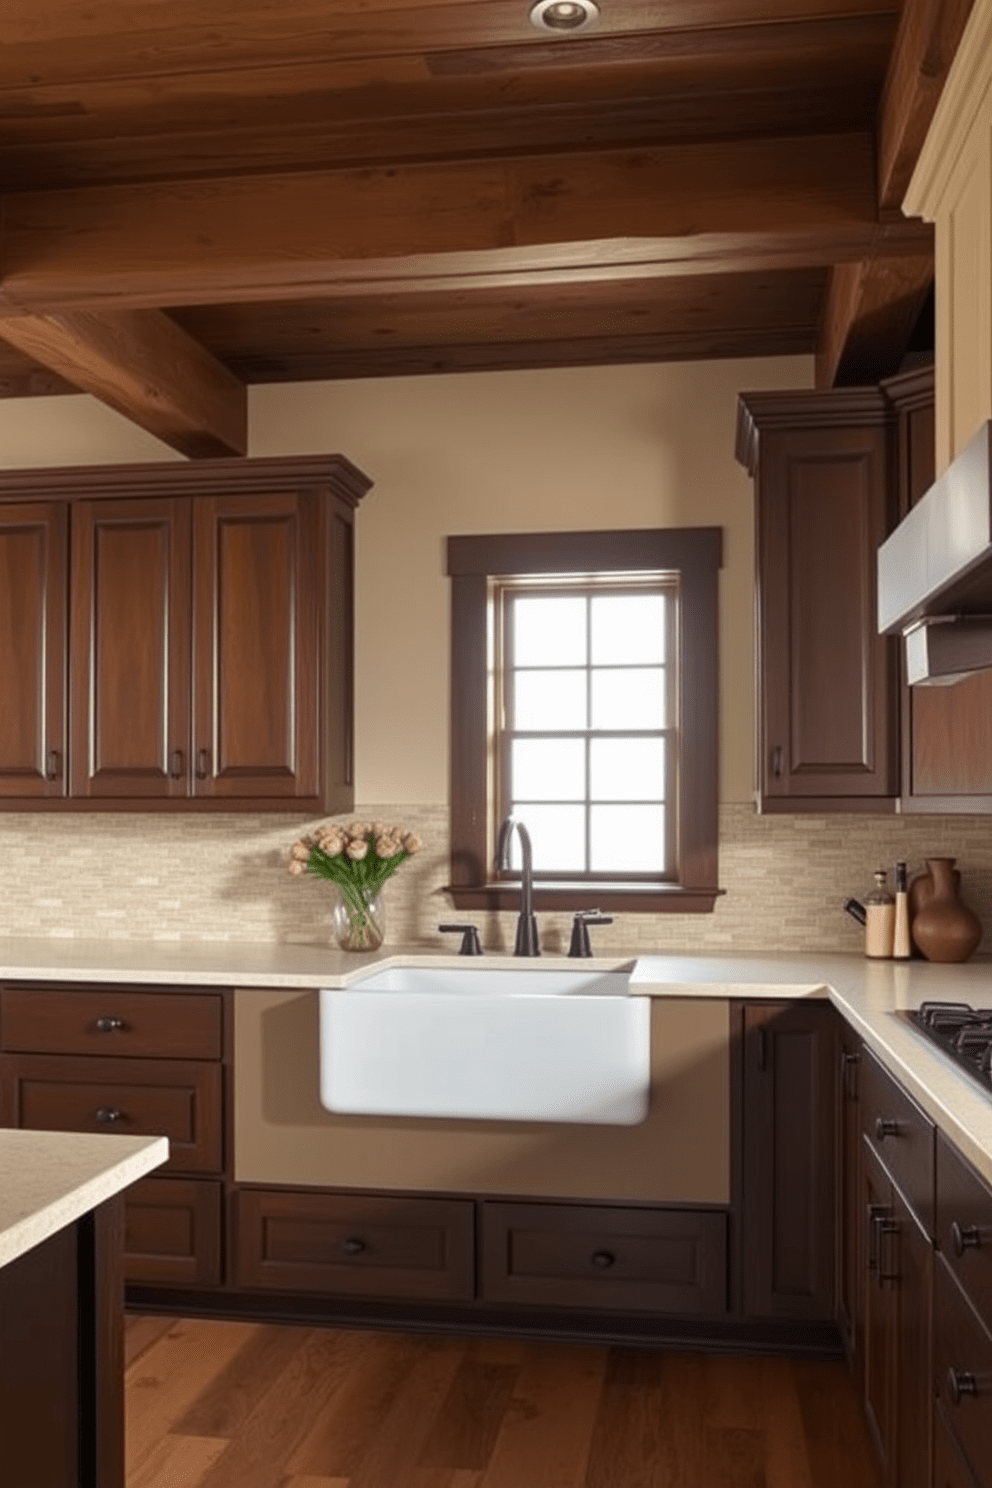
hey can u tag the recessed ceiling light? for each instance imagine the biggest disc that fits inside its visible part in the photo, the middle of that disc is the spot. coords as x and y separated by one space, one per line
564 15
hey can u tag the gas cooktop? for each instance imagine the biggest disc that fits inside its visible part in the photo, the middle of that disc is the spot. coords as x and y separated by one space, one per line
964 1033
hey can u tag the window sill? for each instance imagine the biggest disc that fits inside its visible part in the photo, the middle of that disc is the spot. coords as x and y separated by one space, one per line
637 898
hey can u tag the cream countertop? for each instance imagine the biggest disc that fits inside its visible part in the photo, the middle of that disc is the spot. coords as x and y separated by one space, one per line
870 995
48 1180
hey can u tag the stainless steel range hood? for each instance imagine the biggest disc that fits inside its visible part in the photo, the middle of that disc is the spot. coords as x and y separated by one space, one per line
935 572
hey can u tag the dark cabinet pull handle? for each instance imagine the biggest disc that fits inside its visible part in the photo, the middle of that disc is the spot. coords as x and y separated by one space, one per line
965 1237
762 1049
202 764
848 1071
603 1259
777 761
960 1382
53 764
886 1126
888 1265
176 764
354 1245
876 1213
109 1025
107 1115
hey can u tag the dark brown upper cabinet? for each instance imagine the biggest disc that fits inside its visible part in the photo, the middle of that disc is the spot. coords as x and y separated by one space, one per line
33 556
946 761
209 642
827 682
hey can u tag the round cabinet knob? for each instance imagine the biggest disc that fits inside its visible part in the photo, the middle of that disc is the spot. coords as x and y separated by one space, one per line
354 1245
603 1259
960 1382
107 1115
965 1237
886 1126
109 1025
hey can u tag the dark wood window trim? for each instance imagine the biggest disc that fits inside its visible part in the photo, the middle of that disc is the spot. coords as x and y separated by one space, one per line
695 554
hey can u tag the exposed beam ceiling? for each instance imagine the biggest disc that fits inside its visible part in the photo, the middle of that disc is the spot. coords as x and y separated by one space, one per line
195 198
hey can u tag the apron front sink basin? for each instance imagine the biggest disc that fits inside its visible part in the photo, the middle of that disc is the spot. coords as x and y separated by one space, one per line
487 1043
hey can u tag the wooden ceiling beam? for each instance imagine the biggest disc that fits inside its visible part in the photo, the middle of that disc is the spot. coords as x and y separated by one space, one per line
927 39
705 207
868 316
142 364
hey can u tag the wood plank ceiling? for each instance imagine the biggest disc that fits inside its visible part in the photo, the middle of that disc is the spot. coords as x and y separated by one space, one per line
199 196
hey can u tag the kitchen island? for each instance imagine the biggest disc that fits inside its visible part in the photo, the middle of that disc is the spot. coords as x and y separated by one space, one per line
61 1299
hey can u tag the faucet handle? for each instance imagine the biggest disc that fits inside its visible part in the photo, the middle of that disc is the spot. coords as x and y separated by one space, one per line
581 920
470 938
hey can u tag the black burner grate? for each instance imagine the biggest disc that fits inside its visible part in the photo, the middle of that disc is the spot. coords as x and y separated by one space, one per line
964 1033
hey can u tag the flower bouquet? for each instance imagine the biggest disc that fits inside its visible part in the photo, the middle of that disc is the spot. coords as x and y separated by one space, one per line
358 859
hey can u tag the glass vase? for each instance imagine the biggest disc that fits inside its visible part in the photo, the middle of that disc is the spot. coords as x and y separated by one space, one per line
358 919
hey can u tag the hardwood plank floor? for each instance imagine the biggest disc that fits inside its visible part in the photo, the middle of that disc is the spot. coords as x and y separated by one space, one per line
253 1405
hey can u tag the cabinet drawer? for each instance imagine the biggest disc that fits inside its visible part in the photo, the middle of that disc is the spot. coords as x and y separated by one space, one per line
949 1468
580 1255
355 1245
963 1372
964 1226
164 1025
172 1232
901 1136
177 1099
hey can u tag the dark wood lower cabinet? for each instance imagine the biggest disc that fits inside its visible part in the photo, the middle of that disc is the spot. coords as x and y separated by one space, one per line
604 1257
172 1232
950 1470
355 1244
848 1229
788 1204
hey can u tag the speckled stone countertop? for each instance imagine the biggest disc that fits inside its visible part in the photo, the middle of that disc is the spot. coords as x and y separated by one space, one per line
50 1179
871 995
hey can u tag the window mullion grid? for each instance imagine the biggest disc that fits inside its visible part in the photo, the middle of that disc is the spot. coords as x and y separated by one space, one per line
588 748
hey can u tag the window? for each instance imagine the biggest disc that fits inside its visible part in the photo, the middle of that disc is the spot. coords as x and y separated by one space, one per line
584 684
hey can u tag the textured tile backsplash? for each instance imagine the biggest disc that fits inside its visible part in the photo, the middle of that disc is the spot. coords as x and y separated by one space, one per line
223 878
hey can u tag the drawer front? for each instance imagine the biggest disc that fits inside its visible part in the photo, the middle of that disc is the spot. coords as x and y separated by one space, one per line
964 1226
171 1098
172 1234
160 1025
580 1255
949 1468
901 1136
963 1372
355 1245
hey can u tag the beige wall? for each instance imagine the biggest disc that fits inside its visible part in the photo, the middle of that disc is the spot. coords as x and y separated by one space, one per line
636 446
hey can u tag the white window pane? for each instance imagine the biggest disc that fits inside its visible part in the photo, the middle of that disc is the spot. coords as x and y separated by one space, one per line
628 628
627 839
547 770
631 698
549 630
549 700
558 837
627 769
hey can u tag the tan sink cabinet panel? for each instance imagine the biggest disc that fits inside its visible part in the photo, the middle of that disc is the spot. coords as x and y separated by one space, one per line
679 1155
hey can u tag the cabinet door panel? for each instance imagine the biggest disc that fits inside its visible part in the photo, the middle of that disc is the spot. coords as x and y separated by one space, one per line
257 691
130 648
828 682
32 649
789 1161
848 1196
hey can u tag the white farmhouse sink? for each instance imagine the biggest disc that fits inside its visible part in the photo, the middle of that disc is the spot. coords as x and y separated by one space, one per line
497 1044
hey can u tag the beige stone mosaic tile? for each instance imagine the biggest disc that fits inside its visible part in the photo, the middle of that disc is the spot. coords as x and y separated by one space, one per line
147 877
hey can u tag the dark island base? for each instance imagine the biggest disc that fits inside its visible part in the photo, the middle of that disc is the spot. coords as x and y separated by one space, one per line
62 1357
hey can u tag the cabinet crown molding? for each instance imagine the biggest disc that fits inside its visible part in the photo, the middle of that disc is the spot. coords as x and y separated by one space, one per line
190 478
